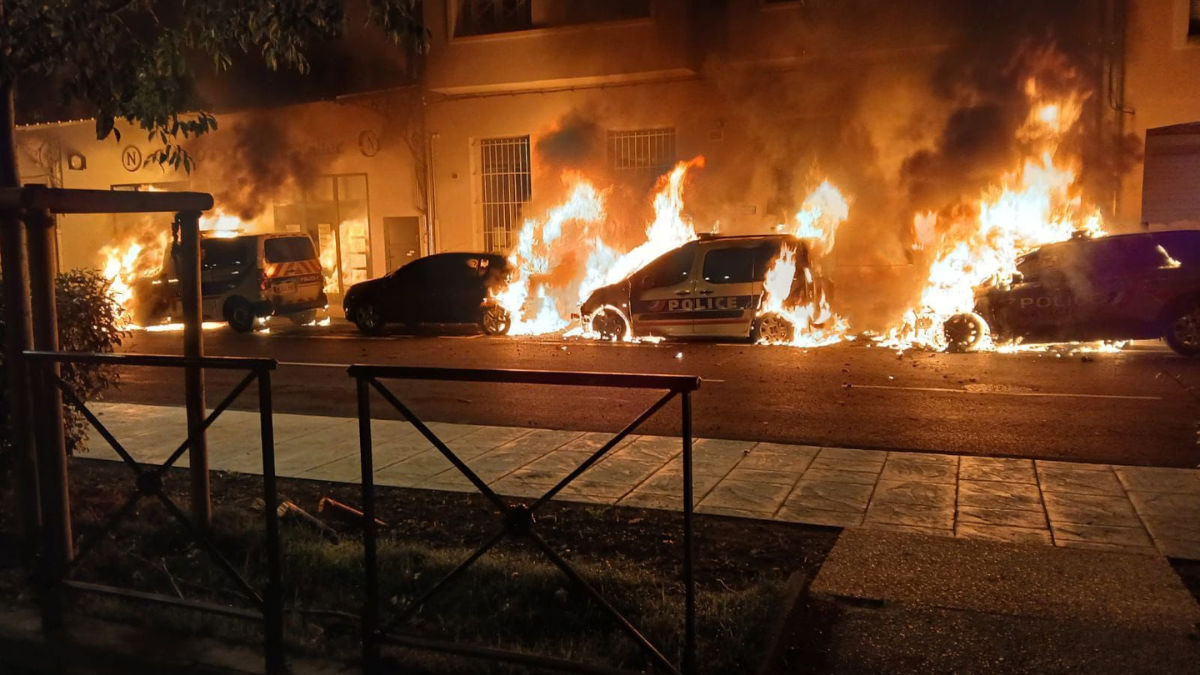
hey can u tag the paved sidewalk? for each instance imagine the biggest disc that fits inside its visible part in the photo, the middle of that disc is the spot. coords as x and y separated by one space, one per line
1097 506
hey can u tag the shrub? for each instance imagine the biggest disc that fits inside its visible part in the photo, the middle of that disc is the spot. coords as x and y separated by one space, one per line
89 320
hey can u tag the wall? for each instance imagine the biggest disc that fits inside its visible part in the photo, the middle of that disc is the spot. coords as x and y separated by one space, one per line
1162 81
364 134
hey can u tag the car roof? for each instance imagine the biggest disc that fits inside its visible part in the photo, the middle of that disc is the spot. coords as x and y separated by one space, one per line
770 236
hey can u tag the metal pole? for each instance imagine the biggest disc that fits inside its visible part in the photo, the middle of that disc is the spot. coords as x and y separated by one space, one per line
370 615
18 337
273 597
193 348
689 552
57 541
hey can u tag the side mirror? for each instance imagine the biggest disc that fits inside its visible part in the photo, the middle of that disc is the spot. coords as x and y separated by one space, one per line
1017 278
646 282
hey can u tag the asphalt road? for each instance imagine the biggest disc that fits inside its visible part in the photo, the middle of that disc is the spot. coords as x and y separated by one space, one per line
1139 406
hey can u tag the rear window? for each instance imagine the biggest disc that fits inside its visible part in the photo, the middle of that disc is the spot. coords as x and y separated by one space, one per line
738 265
226 253
288 249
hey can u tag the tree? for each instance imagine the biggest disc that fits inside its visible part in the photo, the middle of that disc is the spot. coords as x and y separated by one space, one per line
132 60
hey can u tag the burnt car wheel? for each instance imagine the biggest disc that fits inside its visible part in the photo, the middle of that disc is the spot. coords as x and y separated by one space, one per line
1183 333
964 332
495 320
240 315
367 318
610 325
773 329
303 318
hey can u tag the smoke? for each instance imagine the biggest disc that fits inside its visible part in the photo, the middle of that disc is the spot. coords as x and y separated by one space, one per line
251 165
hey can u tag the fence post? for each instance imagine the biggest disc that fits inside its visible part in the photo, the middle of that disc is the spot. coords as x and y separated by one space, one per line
273 597
188 268
18 338
370 615
689 545
57 539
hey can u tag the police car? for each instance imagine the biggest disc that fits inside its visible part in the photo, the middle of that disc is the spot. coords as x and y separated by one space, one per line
711 287
1121 287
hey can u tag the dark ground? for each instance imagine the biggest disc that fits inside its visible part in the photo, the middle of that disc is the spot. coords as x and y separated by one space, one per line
1135 407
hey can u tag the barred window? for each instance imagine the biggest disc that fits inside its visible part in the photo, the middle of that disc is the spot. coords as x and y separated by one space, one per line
483 17
504 168
643 150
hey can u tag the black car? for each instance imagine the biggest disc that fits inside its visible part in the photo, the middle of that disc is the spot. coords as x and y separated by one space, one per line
1123 287
442 288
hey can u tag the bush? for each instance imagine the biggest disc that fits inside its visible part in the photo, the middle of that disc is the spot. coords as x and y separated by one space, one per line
89 320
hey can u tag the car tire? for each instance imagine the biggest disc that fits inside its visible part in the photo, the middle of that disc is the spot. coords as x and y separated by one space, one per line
368 319
495 320
964 332
1183 330
773 329
303 318
240 315
610 325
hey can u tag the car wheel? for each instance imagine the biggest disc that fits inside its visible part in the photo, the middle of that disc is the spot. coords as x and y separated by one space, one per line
303 318
240 315
964 332
495 320
773 329
610 325
368 319
1183 331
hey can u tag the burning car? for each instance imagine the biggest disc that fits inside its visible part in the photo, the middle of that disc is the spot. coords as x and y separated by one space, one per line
442 288
712 287
1122 287
243 278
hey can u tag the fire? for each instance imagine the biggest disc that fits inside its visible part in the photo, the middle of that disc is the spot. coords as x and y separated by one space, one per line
126 265
1035 205
811 323
537 296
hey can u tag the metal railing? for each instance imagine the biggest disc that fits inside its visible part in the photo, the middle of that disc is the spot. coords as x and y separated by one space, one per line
517 518
148 482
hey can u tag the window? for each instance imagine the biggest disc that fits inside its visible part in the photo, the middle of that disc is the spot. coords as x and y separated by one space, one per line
670 269
486 17
645 150
289 249
1194 19
333 211
227 254
504 168
739 265
483 17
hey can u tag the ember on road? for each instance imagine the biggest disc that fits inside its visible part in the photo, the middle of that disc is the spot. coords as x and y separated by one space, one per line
1133 407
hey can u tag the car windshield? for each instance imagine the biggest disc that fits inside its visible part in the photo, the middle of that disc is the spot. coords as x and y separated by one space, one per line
288 249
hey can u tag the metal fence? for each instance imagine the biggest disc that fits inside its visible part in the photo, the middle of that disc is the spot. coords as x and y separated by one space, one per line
148 483
516 518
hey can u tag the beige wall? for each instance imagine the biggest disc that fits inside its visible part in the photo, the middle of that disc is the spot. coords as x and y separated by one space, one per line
1162 81
327 133
558 56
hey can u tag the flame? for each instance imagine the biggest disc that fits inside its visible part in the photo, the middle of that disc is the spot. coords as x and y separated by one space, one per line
538 296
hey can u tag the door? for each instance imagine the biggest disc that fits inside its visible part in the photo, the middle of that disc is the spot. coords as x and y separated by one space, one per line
728 287
1040 306
404 294
402 240
663 302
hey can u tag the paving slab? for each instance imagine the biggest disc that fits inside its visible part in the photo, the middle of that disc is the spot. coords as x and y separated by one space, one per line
761 498
829 496
1154 479
1068 534
913 492
999 495
1005 533
1003 517
1111 589
1091 510
1079 481
997 469
936 516
913 470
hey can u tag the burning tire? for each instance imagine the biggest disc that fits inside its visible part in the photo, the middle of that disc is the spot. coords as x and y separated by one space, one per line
495 320
240 315
303 318
964 332
773 329
610 325
1183 331
368 319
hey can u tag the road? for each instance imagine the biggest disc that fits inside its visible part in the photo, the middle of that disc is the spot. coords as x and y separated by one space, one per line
1139 406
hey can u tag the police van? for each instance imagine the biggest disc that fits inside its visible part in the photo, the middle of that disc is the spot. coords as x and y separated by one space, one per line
1122 287
243 278
711 288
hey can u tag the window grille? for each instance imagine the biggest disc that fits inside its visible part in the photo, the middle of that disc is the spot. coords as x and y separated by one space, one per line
504 168
644 150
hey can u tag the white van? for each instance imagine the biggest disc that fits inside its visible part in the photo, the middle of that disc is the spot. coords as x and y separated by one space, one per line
242 279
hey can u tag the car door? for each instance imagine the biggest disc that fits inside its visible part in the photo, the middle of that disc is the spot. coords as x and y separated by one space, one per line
662 295
466 288
401 297
1040 304
728 287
